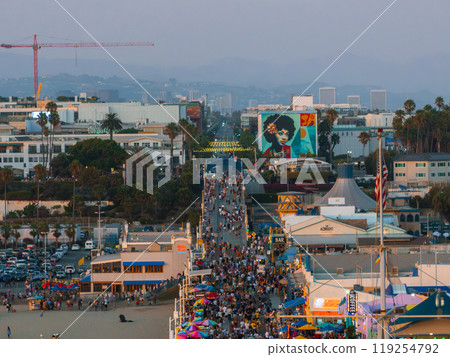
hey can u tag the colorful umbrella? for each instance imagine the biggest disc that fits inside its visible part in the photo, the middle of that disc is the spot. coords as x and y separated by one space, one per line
197 334
191 328
199 312
187 323
46 285
197 321
209 323
212 296
202 301
182 334
194 290
287 328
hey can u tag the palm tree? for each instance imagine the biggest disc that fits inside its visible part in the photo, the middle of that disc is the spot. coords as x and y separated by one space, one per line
43 229
172 131
34 231
191 129
439 103
70 232
6 231
364 138
54 121
56 233
409 106
40 171
331 115
399 130
6 176
16 233
111 123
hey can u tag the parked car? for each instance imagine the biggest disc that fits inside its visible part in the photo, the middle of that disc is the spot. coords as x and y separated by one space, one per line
65 247
60 274
70 269
76 247
82 268
89 245
61 251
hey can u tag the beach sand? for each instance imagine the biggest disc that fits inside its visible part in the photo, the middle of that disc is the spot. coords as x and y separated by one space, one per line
148 322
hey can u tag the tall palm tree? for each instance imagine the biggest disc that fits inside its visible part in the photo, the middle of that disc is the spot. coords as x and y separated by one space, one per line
54 122
6 176
56 233
70 232
364 138
16 233
409 106
439 103
6 231
331 115
111 123
172 131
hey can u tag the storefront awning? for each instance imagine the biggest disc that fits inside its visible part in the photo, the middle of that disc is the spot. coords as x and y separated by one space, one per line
142 282
139 264
293 303
86 279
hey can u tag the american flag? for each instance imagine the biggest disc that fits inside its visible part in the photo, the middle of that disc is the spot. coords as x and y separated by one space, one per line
381 186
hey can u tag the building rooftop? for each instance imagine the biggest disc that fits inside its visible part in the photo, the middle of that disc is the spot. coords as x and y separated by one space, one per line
430 156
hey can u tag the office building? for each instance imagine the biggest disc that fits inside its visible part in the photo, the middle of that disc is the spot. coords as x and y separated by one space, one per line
378 99
327 95
354 100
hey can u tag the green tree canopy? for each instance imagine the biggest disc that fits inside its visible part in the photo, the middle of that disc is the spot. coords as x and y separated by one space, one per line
101 154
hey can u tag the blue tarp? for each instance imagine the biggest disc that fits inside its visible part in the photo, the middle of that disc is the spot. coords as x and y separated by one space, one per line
86 279
293 303
289 254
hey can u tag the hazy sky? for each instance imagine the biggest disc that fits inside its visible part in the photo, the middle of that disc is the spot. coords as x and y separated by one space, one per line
200 31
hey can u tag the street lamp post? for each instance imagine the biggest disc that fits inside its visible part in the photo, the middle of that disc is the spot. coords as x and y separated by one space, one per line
348 153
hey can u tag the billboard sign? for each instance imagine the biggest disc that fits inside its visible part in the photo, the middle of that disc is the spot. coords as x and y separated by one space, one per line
289 134
352 302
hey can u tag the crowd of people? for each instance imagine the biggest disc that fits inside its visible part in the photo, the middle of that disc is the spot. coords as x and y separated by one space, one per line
243 307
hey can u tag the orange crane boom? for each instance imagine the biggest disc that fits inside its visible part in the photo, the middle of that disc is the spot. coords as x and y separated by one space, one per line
37 46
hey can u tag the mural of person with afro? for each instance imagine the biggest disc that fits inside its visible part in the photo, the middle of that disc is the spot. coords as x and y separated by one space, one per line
278 130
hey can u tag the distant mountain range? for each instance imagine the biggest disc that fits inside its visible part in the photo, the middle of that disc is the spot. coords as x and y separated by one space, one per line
422 79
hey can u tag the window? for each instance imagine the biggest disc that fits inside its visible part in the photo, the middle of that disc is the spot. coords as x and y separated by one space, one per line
136 144
154 269
433 164
416 218
116 267
433 174
67 147
20 159
85 287
32 149
147 145
441 174
155 145
400 164
409 218
57 149
420 174
30 159
133 269
107 268
441 164
16 159
421 164
97 287
402 218
96 268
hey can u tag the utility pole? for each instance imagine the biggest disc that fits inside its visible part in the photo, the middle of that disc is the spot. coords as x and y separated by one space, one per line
382 327
99 228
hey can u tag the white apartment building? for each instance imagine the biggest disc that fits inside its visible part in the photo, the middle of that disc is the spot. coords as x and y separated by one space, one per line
22 152
426 168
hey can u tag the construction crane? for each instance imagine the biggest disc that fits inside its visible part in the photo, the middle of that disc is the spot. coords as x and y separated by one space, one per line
37 46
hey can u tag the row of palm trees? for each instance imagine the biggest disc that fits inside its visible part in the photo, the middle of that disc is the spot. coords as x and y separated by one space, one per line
423 130
37 229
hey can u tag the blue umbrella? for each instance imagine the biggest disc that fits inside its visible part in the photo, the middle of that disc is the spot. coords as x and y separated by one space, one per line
299 323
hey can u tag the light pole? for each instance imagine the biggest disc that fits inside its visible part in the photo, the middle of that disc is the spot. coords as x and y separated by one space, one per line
348 153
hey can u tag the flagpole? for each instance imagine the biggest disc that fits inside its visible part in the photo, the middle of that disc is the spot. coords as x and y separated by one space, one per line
382 327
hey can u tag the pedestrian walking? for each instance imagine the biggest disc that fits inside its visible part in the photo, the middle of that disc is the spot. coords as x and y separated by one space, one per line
8 332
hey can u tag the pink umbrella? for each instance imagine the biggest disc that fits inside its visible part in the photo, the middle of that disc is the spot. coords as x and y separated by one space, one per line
197 334
191 328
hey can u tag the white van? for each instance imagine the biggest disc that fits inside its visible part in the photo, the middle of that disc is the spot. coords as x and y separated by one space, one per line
89 245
